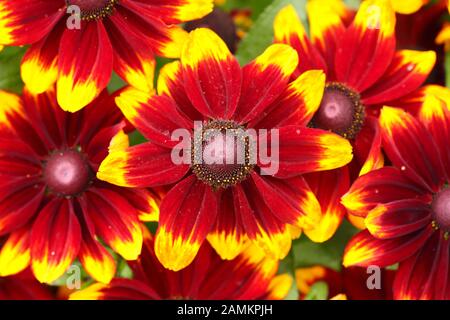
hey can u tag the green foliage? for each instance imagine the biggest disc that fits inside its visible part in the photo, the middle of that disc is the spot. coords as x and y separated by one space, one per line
260 35
318 291
10 59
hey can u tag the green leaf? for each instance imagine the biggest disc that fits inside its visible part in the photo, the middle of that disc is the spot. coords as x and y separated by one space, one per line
10 59
318 291
256 6
447 69
328 254
260 35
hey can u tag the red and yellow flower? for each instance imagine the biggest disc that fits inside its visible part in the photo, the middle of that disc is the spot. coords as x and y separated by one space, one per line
407 206
227 204
23 286
52 208
250 276
364 71
117 35
348 283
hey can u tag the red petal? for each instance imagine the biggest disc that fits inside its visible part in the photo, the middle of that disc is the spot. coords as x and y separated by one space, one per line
211 74
398 218
367 47
85 65
156 117
426 275
289 30
55 240
115 220
303 150
188 213
24 22
408 70
364 249
296 105
264 79
381 186
411 147
144 165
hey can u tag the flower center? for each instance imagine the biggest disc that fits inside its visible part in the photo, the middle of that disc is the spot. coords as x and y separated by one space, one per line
67 173
341 111
94 9
441 209
221 155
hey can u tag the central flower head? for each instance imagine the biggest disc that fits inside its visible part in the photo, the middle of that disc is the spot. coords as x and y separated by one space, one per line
67 173
441 209
341 111
94 9
221 155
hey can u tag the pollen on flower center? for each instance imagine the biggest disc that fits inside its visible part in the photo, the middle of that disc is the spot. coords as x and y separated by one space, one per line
340 111
221 156
67 173
94 9
441 209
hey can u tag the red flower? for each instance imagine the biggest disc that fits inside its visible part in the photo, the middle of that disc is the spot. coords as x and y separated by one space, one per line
350 283
407 207
364 71
52 208
250 276
24 287
227 204
113 34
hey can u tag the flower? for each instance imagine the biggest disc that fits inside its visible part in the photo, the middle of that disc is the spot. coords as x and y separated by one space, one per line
364 71
250 276
112 34
227 203
406 206
52 208
24 287
351 283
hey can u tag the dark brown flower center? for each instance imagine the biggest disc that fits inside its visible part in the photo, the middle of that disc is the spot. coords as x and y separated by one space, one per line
340 111
441 210
67 173
221 155
94 9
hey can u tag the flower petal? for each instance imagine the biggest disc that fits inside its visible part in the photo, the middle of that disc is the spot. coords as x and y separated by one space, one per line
398 218
115 220
55 240
380 187
23 22
369 41
328 187
212 74
133 61
296 105
227 236
39 67
411 147
144 165
434 113
260 224
264 79
303 150
96 260
364 249
326 27
288 29
426 275
408 70
188 213
15 253
85 65
156 117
